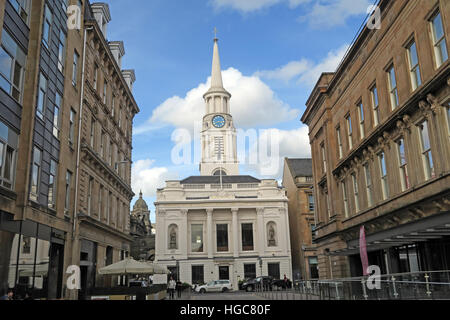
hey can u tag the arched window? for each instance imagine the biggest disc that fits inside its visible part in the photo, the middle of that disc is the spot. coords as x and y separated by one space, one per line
272 234
220 172
173 237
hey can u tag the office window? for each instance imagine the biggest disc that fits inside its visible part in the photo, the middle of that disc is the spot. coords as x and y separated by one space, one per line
356 192
9 141
198 275
61 51
247 237
12 66
369 185
52 185
427 156
339 141
350 132
67 197
324 158
23 8
89 195
35 174
384 176
222 238
393 92
92 137
56 112
41 96
403 164
440 47
72 127
46 31
249 271
414 69
344 193
361 120
376 106
311 203
197 238
76 57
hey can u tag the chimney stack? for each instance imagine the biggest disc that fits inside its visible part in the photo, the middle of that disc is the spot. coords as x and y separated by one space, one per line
118 51
102 15
130 78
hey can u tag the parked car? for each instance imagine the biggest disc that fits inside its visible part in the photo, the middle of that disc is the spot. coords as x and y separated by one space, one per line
215 286
281 284
252 284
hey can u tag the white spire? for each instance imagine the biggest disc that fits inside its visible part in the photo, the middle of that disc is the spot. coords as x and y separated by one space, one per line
216 74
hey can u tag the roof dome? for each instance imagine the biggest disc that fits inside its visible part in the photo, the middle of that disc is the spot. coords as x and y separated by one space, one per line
140 204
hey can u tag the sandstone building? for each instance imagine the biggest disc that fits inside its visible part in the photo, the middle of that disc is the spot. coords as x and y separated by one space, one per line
380 138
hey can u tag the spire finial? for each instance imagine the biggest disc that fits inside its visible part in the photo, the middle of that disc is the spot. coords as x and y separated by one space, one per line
140 194
215 34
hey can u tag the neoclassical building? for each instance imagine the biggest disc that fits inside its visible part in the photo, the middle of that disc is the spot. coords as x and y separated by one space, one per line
222 225
141 229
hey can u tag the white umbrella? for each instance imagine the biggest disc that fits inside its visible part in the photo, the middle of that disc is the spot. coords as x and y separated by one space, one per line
131 266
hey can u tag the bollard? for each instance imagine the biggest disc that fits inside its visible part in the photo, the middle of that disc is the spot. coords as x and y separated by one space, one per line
427 277
394 287
363 282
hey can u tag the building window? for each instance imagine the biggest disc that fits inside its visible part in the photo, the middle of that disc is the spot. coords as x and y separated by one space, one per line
23 8
89 195
274 270
52 185
197 238
67 197
61 50
356 192
247 237
92 138
72 127
111 147
35 174
376 106
448 118
41 96
173 237
439 42
324 158
96 77
361 120
384 176
113 106
313 267
339 141
313 231
102 144
369 185
56 112
393 91
46 32
427 156
350 132
120 117
222 238
100 202
26 246
403 164
76 57
328 203
9 141
249 271
311 203
105 90
12 66
198 275
345 197
414 69
110 208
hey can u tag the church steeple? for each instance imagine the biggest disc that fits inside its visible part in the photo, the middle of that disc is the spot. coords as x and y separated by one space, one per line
216 74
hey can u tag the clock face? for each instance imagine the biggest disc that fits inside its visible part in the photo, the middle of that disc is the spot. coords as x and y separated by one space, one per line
218 122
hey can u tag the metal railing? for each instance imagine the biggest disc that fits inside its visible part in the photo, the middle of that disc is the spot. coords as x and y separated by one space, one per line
433 285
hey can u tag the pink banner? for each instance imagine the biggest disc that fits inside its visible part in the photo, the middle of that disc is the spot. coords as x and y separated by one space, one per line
363 250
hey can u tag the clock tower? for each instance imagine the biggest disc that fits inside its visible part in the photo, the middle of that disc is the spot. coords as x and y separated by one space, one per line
218 137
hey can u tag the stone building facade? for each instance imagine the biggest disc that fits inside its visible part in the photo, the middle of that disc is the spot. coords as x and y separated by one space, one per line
44 99
379 132
298 182
222 225
141 229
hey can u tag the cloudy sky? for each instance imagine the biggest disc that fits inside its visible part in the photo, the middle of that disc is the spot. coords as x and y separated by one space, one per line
272 53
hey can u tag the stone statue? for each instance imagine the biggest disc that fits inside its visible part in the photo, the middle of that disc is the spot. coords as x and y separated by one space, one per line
272 241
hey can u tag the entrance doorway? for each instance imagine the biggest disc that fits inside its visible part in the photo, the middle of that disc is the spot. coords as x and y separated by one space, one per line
224 273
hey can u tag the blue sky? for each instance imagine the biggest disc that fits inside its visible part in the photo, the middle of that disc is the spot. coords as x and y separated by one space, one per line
272 52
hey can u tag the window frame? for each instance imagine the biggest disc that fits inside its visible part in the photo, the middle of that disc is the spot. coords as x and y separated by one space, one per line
394 98
375 105
403 164
9 145
384 176
36 165
428 163
439 59
414 70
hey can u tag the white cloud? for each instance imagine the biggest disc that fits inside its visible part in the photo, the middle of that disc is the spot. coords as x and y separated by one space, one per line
304 71
253 104
244 5
146 178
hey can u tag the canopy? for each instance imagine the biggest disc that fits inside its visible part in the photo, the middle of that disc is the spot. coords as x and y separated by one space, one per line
131 266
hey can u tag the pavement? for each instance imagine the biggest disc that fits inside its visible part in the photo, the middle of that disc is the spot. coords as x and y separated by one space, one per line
244 296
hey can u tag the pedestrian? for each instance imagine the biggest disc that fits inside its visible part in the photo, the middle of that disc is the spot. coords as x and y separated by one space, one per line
8 296
172 286
285 286
179 289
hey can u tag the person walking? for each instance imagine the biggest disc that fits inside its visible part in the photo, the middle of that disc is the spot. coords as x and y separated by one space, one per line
172 286
179 289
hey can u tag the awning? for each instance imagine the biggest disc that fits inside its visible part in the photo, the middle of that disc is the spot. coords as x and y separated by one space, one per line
131 266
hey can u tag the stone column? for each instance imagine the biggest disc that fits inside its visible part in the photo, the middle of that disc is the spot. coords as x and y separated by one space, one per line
235 232
260 231
183 234
209 232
